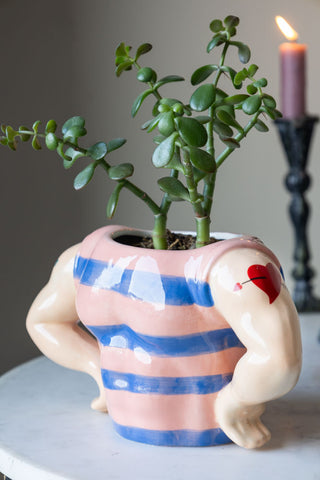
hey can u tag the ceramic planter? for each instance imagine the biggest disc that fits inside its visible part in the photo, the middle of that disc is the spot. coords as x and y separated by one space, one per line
188 340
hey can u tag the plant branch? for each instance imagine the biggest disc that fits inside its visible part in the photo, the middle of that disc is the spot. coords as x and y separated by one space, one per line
225 154
208 191
191 184
151 83
202 219
209 185
106 166
135 190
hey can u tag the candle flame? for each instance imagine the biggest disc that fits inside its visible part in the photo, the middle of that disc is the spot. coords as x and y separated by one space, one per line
286 29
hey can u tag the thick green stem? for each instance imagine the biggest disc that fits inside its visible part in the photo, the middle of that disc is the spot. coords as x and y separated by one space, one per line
191 184
203 231
159 233
209 185
208 192
210 142
202 220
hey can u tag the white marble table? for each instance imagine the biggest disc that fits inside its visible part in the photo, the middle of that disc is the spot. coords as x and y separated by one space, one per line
48 432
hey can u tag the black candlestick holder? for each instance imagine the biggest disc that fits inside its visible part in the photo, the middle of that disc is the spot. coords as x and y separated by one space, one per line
296 138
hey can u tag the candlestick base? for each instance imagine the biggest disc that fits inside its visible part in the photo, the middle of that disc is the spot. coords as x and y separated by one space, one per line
304 299
296 138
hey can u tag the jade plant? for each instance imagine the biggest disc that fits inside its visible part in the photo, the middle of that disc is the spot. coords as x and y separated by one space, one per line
193 139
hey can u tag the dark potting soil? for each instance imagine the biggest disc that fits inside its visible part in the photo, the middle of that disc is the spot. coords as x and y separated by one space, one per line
176 241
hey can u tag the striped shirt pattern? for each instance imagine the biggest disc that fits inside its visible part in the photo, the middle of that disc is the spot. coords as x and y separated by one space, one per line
166 351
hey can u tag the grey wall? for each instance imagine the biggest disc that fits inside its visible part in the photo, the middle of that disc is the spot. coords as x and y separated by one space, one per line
40 212
57 61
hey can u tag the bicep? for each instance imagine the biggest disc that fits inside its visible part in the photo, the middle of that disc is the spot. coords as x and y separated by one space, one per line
56 300
249 291
264 318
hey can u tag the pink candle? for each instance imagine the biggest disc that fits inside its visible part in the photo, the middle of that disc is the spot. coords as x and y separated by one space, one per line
293 77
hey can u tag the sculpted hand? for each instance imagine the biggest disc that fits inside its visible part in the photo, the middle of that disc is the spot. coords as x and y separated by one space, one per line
241 422
99 403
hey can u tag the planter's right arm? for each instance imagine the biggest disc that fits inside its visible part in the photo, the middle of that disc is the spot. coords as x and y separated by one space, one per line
264 318
52 323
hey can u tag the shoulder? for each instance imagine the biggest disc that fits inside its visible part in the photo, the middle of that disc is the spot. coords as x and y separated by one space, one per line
244 272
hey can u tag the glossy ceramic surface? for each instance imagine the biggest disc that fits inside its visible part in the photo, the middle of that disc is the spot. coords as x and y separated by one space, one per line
188 340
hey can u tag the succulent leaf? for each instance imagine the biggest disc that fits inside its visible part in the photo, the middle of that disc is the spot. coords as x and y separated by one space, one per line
76 121
120 172
202 160
113 200
174 187
251 105
138 101
203 73
191 131
203 97
98 150
84 177
164 151
115 144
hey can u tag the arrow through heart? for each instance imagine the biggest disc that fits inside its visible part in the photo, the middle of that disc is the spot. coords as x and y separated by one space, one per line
267 278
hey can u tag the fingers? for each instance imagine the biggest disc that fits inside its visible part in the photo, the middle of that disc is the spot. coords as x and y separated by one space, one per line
239 421
248 433
99 403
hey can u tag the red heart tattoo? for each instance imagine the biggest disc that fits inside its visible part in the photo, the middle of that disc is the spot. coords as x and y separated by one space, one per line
267 278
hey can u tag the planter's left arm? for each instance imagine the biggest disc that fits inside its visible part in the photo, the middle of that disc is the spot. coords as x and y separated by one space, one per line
263 316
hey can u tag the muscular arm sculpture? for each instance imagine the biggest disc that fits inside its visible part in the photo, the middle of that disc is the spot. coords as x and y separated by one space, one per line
250 293
52 323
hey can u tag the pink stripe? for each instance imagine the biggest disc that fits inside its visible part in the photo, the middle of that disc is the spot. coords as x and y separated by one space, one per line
141 363
162 412
103 307
190 263
88 245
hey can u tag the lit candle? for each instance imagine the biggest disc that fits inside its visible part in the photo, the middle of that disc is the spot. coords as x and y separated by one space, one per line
293 78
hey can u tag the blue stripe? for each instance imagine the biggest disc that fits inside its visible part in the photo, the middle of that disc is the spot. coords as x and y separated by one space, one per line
200 385
173 438
145 286
122 336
